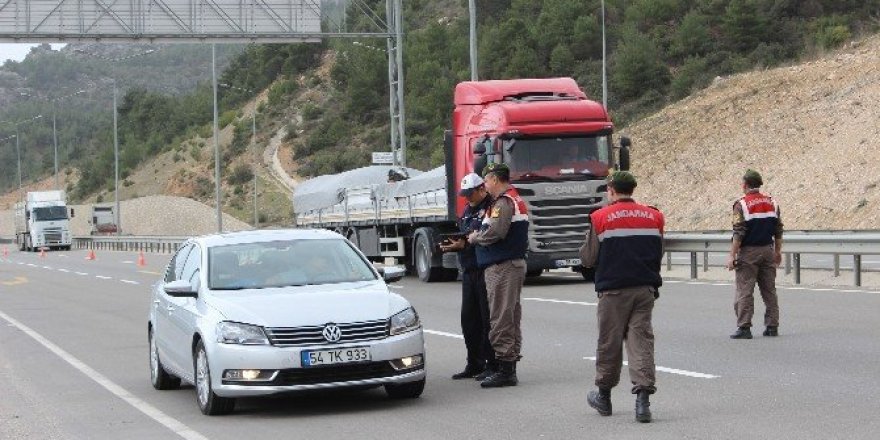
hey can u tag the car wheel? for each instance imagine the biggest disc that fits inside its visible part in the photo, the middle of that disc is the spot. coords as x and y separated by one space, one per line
209 403
160 378
534 273
409 390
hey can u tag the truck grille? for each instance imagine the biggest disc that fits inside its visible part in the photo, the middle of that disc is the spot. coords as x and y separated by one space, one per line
559 225
52 237
313 335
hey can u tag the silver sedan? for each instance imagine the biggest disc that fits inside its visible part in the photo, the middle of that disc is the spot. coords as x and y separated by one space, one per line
266 312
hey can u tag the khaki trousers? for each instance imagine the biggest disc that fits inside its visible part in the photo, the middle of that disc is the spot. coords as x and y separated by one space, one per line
625 315
755 264
504 283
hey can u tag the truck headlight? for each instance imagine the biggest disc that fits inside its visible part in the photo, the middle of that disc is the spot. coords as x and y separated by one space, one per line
404 321
244 334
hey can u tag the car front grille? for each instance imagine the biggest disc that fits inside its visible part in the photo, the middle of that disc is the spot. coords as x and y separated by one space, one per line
313 335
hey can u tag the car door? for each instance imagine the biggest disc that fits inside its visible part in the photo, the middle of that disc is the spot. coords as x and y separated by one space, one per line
168 337
183 315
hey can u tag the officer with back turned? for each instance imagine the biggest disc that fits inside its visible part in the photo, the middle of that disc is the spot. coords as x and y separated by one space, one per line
625 244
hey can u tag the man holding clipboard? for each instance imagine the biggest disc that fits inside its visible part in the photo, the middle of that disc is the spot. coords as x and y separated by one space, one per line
474 303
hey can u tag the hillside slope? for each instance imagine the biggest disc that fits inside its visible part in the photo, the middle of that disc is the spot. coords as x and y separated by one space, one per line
812 130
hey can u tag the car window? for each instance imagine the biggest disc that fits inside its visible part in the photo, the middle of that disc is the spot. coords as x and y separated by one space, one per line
285 263
193 262
176 264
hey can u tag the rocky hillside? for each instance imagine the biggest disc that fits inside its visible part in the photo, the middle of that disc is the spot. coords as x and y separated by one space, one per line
812 130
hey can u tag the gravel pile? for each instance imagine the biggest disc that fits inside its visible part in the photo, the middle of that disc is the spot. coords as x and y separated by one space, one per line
812 130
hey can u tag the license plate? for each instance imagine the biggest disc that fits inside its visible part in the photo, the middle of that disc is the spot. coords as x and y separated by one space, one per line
335 356
569 262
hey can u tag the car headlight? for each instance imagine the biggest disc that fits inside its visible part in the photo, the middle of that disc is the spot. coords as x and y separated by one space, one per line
245 334
404 321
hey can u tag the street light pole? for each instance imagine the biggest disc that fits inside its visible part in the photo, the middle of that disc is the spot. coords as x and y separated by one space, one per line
472 8
256 158
604 68
55 142
116 161
216 139
18 156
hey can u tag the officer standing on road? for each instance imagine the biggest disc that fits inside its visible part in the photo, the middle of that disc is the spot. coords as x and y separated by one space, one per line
625 244
474 302
755 253
502 245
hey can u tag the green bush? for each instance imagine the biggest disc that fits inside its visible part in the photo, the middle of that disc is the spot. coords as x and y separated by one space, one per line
694 74
281 90
831 32
241 174
310 112
226 118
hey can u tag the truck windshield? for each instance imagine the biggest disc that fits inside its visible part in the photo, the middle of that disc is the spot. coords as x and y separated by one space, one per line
559 158
50 213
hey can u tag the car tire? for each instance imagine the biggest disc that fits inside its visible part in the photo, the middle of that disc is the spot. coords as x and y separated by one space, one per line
423 257
209 403
535 273
409 390
160 378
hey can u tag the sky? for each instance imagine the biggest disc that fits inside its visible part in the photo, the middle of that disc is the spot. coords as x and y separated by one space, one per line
17 52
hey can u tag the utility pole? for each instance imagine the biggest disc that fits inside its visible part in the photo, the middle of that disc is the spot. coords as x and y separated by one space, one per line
216 139
472 8
604 63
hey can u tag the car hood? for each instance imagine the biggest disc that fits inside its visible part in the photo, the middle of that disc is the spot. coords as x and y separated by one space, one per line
297 306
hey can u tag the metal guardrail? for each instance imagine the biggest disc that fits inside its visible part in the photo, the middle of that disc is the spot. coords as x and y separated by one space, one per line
853 243
129 243
796 243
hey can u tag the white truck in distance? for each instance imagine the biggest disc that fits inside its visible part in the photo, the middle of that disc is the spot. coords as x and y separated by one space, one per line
103 220
41 221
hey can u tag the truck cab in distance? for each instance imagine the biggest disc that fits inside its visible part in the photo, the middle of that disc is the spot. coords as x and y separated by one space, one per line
42 221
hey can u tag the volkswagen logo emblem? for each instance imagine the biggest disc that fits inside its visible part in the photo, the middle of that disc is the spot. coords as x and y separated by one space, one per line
332 333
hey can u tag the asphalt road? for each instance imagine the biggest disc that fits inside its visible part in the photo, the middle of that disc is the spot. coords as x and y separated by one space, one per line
73 365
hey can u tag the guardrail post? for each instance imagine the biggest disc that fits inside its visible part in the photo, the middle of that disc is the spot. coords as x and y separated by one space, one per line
787 264
797 268
693 265
705 261
857 269
836 265
668 261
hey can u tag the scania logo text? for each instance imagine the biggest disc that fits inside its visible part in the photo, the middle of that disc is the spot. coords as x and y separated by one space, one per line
332 333
556 190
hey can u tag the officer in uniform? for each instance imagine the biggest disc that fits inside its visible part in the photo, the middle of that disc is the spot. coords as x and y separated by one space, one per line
474 302
625 244
502 243
755 253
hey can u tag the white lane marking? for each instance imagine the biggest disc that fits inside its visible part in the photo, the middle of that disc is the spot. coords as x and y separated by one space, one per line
47 267
103 277
448 335
149 410
31 264
80 273
63 270
62 255
559 301
20 263
128 262
671 370
129 282
396 287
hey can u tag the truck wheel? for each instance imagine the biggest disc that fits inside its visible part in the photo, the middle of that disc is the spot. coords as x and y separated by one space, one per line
589 274
424 255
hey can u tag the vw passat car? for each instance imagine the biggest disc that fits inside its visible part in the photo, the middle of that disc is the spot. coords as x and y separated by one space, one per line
266 312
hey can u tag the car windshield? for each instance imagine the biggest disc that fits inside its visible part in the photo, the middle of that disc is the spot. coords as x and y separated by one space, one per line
285 263
559 158
50 213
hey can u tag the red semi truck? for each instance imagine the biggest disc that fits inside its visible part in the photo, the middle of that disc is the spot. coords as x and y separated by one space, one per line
557 143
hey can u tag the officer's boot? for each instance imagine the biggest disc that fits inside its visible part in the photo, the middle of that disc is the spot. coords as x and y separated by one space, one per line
600 401
470 371
504 377
643 407
771 330
491 368
742 333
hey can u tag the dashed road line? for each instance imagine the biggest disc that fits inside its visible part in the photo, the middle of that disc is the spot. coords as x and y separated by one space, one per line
103 277
149 410
559 301
80 273
693 374
439 333
149 272
63 270
129 282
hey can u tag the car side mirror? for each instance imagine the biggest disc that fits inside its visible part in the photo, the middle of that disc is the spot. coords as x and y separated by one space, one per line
479 149
392 274
180 289
72 213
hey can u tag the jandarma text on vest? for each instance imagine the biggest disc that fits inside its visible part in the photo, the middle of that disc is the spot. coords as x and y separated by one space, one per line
624 213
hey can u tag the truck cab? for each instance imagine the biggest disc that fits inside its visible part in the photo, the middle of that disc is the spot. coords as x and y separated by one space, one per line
558 145
42 221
